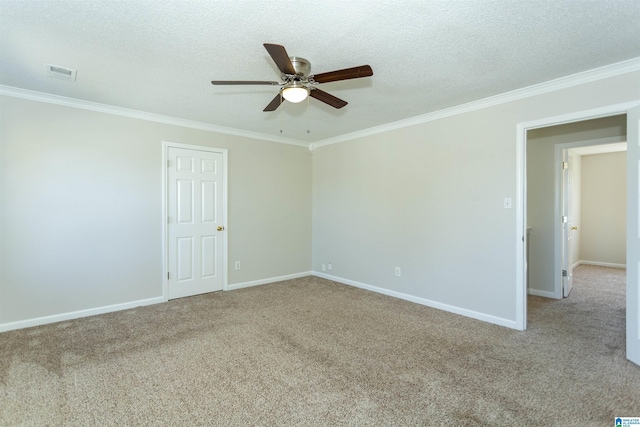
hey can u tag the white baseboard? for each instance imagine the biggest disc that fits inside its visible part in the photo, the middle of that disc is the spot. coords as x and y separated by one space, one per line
602 264
269 280
423 301
539 293
4 327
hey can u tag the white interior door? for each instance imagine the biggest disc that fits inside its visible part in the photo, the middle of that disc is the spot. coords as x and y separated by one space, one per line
567 226
633 236
195 221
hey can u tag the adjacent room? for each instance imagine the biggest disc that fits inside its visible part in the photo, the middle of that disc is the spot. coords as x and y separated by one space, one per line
185 242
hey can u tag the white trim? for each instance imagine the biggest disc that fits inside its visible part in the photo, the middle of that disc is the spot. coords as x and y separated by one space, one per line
590 142
572 80
602 264
521 189
632 294
4 327
141 115
269 280
522 257
423 301
164 185
545 294
596 113
225 221
165 213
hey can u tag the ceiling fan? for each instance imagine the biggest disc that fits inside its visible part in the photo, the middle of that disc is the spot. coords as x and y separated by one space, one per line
297 83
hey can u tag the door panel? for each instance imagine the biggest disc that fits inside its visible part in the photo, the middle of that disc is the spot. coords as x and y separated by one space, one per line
633 235
194 204
208 256
184 163
209 192
185 201
567 256
185 258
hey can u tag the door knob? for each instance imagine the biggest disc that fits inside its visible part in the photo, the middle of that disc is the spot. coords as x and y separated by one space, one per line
220 228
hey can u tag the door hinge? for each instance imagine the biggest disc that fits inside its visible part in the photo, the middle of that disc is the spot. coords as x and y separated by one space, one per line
564 219
565 165
167 275
564 273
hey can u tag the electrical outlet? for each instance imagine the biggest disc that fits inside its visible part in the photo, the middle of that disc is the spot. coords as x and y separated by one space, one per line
324 267
329 267
238 265
398 272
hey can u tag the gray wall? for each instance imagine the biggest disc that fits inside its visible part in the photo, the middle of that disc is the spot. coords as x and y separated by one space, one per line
81 213
429 198
604 208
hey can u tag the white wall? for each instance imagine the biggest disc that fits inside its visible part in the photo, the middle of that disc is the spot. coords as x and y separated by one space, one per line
81 214
541 191
429 198
604 202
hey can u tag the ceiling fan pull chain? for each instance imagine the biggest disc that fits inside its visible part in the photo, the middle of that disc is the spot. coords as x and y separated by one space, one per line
281 114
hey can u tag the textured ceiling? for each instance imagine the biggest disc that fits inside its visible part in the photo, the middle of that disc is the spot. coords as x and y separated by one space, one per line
159 56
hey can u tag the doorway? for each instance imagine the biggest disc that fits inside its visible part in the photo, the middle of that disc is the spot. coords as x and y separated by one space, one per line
595 231
553 222
632 112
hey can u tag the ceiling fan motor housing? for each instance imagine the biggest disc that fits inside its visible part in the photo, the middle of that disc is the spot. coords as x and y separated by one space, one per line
301 65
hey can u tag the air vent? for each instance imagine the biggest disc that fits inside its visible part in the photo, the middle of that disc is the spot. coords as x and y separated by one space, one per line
61 72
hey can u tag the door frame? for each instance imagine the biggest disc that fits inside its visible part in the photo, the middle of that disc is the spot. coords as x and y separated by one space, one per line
165 211
521 191
559 200
566 209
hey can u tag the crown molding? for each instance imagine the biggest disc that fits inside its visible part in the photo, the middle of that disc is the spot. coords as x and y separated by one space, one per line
595 74
142 115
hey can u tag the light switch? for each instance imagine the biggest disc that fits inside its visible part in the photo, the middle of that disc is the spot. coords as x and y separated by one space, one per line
507 202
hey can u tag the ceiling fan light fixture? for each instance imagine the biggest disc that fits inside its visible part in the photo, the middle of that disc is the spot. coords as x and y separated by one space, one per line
295 93
297 83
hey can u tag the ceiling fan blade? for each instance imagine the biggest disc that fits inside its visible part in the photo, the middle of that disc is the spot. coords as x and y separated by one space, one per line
275 103
280 57
242 82
346 74
327 98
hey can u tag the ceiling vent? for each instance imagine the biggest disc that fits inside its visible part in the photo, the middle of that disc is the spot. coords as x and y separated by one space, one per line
61 72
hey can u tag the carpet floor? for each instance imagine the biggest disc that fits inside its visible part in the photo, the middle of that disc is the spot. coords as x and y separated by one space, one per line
314 352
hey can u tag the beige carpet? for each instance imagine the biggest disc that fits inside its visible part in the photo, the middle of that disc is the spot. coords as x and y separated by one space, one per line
314 352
